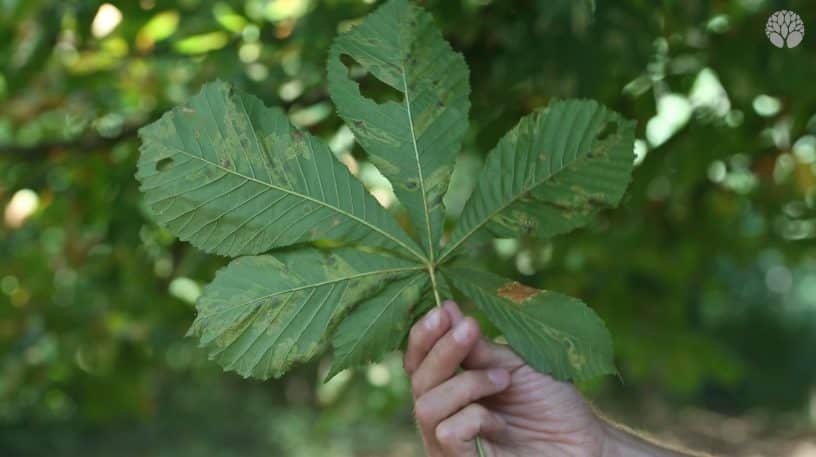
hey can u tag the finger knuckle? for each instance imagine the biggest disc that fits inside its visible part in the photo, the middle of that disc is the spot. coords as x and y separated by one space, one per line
423 411
416 385
406 364
445 435
476 412
474 384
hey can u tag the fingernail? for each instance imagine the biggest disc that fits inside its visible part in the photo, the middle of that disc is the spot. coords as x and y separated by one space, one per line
449 302
461 332
432 321
498 377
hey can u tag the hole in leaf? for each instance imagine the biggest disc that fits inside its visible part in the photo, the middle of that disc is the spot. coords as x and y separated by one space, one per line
164 164
370 87
608 130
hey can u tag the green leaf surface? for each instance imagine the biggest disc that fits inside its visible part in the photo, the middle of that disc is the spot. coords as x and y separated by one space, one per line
234 177
554 333
414 143
550 174
263 314
378 325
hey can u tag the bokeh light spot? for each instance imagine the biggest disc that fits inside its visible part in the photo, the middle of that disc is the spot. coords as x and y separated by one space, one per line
22 205
107 18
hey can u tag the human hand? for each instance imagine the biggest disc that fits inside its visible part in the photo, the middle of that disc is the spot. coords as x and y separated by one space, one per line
516 410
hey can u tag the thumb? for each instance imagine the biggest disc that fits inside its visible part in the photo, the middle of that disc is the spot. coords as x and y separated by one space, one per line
484 354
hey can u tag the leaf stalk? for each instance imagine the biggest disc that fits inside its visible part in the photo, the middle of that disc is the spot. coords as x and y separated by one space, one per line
432 272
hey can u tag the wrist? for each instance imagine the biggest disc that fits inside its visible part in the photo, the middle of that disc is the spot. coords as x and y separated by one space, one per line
610 441
618 441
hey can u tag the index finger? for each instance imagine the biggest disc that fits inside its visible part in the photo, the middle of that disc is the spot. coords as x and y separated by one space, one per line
423 336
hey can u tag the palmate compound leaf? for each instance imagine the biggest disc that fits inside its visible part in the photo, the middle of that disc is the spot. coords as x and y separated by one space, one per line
554 333
263 314
233 177
413 142
550 174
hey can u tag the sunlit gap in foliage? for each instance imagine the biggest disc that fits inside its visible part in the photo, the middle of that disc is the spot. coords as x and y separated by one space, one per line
377 185
107 18
766 106
22 205
160 27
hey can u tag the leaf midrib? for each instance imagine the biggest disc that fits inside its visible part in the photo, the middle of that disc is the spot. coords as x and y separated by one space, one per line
297 194
311 286
418 165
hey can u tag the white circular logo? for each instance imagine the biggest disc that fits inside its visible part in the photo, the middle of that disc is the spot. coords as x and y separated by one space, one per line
785 28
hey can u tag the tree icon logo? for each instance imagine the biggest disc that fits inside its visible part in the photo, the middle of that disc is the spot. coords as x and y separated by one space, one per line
785 28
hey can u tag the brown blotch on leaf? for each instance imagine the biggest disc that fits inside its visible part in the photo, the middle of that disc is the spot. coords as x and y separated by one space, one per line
517 292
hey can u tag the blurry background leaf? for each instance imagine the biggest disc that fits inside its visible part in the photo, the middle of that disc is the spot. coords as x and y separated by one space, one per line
705 276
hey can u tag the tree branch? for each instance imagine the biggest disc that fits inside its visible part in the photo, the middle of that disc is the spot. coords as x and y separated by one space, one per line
41 150
98 142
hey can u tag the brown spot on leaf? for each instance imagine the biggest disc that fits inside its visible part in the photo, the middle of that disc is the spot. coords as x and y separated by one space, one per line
517 292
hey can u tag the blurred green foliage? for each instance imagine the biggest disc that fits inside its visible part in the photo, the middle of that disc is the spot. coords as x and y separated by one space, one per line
706 275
